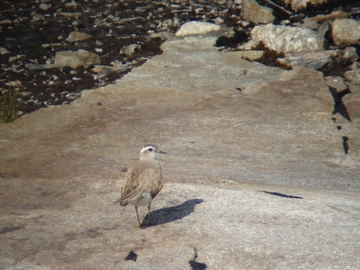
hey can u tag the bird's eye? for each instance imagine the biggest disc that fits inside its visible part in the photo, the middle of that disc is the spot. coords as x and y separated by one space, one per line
150 149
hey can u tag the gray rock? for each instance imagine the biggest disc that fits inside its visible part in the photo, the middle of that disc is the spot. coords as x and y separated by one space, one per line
253 12
69 59
250 55
117 66
76 59
336 83
337 14
346 32
353 76
350 53
282 38
313 60
129 50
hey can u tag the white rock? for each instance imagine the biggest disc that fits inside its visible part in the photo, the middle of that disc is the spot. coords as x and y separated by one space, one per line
346 32
197 28
282 38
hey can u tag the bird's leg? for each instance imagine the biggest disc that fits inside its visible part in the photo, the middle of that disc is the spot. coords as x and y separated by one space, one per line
137 215
149 207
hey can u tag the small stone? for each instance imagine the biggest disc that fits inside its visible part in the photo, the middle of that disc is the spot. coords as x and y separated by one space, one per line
38 17
353 76
346 32
44 6
129 50
298 5
6 21
307 59
197 28
76 59
350 53
219 20
71 14
338 14
13 83
77 36
71 4
3 51
253 12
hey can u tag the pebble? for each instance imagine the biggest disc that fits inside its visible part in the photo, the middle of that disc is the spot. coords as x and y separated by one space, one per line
197 28
4 51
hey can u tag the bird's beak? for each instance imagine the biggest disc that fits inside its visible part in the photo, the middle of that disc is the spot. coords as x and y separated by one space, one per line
162 152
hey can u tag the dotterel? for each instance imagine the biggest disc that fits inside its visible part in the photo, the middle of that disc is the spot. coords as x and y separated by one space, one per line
143 181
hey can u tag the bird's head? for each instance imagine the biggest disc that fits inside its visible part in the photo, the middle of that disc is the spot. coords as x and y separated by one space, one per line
149 151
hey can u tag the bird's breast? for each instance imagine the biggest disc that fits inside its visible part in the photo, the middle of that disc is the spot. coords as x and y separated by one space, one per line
141 199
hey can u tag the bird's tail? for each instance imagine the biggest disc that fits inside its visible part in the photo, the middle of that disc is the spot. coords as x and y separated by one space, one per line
122 203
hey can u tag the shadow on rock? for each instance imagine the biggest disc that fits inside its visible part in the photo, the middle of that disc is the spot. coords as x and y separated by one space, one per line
169 214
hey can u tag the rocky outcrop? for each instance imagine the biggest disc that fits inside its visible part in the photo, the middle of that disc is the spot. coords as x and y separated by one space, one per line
258 158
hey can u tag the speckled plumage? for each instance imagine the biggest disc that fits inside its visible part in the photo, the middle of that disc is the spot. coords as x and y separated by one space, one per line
143 181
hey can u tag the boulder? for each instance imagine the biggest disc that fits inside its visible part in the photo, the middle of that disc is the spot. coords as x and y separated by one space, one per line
282 39
253 12
346 32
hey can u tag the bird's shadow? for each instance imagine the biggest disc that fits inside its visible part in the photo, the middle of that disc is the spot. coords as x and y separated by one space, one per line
170 214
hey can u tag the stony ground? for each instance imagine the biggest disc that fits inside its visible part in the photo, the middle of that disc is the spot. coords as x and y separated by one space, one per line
255 179
32 31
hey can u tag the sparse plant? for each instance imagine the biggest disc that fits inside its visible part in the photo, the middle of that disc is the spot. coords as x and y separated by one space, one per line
8 106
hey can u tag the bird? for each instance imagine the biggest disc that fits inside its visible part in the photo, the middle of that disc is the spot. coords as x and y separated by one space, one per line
143 181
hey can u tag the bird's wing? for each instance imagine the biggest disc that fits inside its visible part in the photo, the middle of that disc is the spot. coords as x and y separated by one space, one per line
140 179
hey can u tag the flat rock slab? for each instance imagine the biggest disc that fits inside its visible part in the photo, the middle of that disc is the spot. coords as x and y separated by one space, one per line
232 227
256 170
